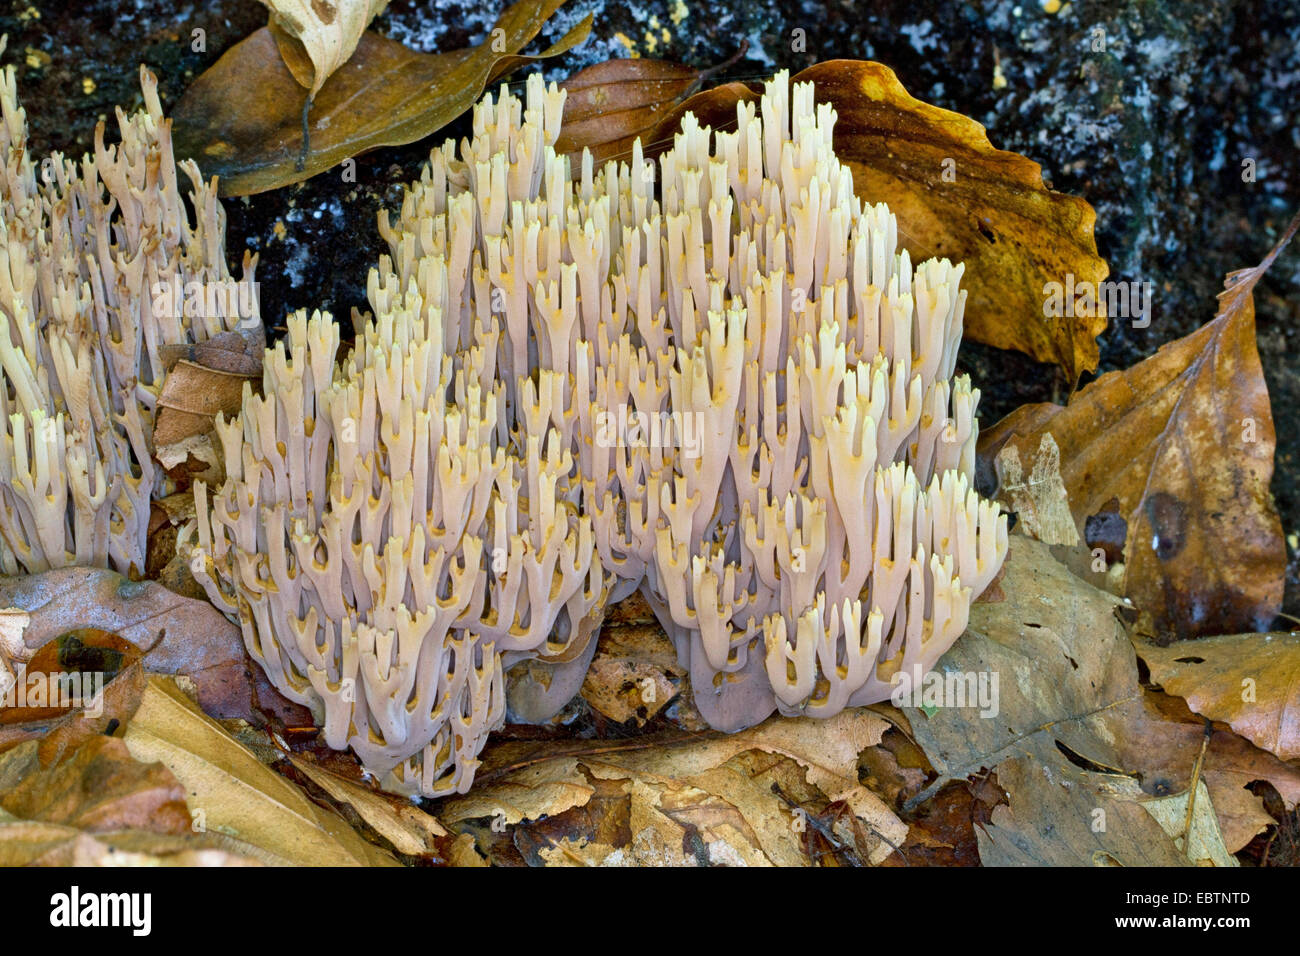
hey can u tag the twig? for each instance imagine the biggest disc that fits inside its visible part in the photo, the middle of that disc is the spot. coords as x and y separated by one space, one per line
306 135
1191 800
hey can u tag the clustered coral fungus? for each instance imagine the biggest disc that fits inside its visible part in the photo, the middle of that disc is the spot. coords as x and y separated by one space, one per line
86 253
713 379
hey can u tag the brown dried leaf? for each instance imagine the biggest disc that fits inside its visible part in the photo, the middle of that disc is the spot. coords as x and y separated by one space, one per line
238 352
1204 551
46 687
545 787
1069 698
242 119
121 698
954 196
612 103
711 787
36 843
583 835
232 793
192 397
1165 739
634 673
409 829
102 788
179 635
1249 681
1072 818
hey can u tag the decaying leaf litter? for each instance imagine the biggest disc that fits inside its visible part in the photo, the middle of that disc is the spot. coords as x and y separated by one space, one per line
775 799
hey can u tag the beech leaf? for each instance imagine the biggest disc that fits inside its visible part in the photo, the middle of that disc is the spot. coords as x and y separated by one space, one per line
612 103
260 812
1204 550
1249 681
1070 713
242 119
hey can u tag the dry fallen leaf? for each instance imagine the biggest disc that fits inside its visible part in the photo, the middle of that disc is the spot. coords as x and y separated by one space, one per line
67 674
242 119
179 635
203 380
1249 681
1039 499
1069 817
119 701
37 843
583 835
634 673
102 788
707 786
77 797
1204 552
1059 656
544 787
954 196
612 103
1069 698
231 793
192 398
1203 845
1164 741
316 37
408 828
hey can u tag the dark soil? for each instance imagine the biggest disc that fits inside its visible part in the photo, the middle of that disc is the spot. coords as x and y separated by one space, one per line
1153 132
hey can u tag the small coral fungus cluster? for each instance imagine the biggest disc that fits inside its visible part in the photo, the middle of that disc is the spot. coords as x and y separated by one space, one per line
85 252
713 379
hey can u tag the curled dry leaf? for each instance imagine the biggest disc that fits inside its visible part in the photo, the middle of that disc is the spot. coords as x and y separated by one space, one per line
238 352
954 196
1249 681
316 37
204 380
67 675
1204 550
192 398
242 119
120 700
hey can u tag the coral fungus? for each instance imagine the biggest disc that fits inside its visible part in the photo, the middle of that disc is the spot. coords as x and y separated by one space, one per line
88 256
713 379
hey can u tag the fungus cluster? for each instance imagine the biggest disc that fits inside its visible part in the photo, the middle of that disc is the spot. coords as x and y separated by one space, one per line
91 255
713 379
